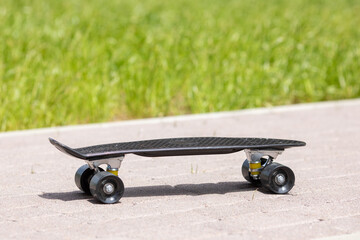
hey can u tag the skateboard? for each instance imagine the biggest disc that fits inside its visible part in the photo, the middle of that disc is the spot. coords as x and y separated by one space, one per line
259 167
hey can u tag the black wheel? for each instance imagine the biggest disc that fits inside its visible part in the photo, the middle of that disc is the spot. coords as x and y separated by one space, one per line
106 187
277 178
246 173
83 176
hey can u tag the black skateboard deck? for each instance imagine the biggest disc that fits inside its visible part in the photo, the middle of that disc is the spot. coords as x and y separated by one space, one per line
259 168
176 147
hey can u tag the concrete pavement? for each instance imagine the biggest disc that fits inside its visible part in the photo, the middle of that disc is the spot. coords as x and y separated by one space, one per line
192 197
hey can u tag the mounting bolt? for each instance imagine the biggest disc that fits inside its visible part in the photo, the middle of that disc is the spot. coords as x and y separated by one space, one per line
280 179
108 188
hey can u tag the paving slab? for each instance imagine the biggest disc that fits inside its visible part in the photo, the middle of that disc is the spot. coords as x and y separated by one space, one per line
192 197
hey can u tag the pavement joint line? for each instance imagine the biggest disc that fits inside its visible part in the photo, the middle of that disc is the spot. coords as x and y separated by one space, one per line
291 224
333 187
17 207
277 226
339 176
348 236
186 210
342 217
194 210
349 200
258 212
189 117
262 213
37 217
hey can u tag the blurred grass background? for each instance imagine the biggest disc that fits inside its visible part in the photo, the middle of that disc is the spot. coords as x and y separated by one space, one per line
80 61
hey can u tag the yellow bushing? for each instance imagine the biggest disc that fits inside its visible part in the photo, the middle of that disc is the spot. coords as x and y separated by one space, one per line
115 172
255 165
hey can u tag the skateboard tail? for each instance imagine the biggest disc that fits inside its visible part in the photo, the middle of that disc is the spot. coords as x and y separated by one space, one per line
65 149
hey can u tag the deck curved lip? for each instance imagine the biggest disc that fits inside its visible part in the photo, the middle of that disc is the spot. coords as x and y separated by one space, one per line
66 149
173 151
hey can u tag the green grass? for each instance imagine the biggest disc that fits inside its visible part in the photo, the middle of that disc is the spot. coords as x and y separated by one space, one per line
79 61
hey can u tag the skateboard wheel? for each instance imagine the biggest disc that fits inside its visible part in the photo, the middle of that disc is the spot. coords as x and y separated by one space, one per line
106 187
246 173
277 178
83 176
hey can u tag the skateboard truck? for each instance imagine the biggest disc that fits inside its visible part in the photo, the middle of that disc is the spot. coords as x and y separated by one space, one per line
259 159
113 164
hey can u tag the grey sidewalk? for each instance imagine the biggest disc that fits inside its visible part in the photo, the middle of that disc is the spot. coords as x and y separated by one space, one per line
193 197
